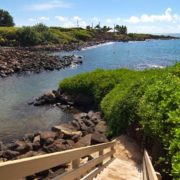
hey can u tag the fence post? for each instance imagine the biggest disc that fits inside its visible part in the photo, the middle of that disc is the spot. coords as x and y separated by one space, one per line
112 149
100 154
75 165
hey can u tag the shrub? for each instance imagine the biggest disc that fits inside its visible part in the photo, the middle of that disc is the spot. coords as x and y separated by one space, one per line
96 84
28 36
150 98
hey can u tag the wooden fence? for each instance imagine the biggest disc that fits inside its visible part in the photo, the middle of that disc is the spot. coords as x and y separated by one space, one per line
18 169
148 170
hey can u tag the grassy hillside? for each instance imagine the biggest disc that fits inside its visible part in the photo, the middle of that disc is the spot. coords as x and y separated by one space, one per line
43 35
148 99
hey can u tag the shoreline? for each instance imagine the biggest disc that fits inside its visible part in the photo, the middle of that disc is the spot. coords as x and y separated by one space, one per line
35 59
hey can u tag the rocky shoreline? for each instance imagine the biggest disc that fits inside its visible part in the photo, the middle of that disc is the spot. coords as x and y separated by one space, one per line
24 60
84 129
19 61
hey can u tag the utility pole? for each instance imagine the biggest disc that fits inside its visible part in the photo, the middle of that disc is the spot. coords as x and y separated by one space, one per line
77 23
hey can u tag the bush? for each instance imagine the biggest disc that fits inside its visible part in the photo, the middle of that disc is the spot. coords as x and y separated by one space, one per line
96 84
83 35
28 36
150 98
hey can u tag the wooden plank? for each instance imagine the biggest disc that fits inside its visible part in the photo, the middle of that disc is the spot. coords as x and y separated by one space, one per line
150 169
96 171
28 166
100 154
144 170
84 168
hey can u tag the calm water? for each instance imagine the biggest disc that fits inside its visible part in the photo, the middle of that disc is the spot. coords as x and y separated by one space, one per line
18 118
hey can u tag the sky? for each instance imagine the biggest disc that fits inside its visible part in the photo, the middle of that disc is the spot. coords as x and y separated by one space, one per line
140 16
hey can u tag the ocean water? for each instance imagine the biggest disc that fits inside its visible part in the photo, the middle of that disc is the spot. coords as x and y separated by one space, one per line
18 118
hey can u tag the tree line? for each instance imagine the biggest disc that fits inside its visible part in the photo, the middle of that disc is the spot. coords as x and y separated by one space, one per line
6 20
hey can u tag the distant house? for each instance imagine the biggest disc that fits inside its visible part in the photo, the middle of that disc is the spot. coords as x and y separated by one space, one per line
112 31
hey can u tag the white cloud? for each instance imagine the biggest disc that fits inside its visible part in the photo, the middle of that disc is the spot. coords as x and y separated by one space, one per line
49 5
68 24
44 18
109 20
118 19
167 16
133 20
82 24
61 18
95 19
77 18
72 22
32 19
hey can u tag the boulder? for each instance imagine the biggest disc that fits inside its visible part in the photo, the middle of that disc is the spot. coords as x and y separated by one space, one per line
23 147
88 122
49 141
67 129
11 146
8 154
37 139
28 154
29 137
84 141
58 145
101 127
90 114
44 136
36 146
98 138
76 125
82 125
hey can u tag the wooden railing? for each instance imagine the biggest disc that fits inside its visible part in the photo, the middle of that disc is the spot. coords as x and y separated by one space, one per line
17 169
149 172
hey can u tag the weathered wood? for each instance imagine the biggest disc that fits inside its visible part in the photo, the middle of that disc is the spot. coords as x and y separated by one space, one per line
28 166
144 170
158 176
96 171
100 154
112 149
150 169
75 163
84 168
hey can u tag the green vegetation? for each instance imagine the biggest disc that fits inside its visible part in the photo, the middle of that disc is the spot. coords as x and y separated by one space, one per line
121 29
149 99
6 19
40 34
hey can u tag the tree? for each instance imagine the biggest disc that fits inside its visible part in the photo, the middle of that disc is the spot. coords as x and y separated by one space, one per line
121 29
106 28
98 26
6 19
88 27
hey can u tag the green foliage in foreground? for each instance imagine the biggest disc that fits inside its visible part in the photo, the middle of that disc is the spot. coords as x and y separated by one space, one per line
150 98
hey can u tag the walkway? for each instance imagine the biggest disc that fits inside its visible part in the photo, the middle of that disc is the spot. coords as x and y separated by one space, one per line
127 163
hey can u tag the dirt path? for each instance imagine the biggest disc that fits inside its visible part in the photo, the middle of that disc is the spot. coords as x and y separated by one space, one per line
127 163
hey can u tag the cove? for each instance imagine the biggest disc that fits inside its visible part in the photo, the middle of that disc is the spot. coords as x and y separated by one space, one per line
18 118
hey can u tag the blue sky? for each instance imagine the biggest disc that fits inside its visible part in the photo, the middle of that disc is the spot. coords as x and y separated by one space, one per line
147 16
